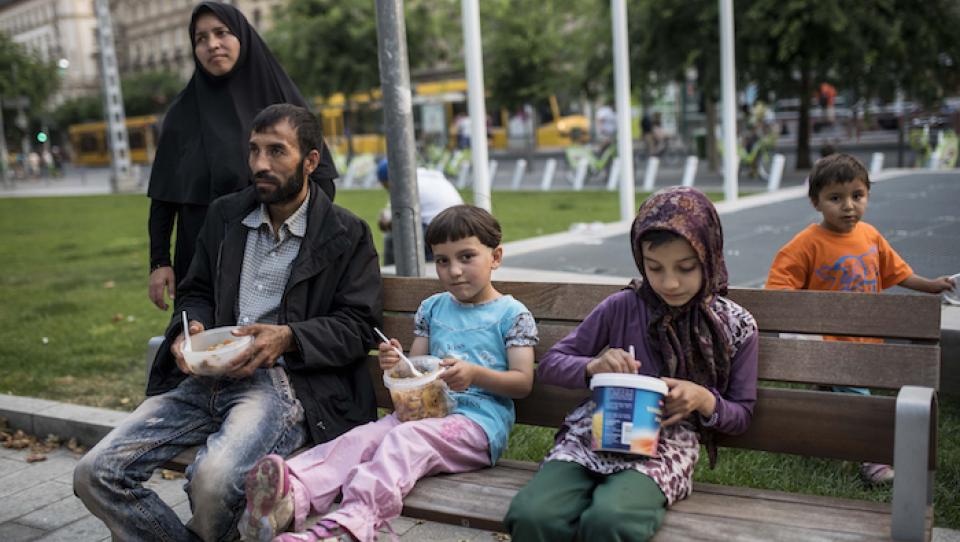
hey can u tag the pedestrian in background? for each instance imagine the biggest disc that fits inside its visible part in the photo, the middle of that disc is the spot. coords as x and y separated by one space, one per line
202 153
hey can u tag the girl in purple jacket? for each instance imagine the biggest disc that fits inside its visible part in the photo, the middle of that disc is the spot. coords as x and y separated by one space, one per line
683 330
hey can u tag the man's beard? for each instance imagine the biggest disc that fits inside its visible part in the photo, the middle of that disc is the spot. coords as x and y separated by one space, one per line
286 191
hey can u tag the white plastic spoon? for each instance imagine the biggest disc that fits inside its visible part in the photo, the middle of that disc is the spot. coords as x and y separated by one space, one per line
186 333
413 369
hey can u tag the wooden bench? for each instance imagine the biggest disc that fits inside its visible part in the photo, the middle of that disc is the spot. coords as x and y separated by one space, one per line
898 430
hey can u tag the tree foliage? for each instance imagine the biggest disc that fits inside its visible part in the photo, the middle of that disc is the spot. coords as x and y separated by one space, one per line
870 48
147 93
24 74
330 46
535 48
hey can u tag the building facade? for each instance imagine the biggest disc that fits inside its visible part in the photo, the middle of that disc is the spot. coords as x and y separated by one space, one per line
151 35
60 31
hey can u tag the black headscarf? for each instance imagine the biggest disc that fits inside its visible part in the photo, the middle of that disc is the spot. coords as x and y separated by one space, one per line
203 146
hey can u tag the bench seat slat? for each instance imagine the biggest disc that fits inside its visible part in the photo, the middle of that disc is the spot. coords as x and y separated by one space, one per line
748 514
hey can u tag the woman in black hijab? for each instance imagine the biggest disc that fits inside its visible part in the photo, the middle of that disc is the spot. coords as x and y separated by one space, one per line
202 153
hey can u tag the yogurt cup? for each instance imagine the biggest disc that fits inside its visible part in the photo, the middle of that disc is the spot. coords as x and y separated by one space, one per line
416 398
953 296
628 412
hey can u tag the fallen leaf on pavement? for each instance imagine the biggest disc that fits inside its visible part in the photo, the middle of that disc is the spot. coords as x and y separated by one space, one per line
170 474
75 447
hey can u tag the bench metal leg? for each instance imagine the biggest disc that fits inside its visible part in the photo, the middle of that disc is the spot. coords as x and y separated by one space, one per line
913 484
153 345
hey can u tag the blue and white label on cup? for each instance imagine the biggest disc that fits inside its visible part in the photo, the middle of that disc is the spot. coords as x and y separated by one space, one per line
629 410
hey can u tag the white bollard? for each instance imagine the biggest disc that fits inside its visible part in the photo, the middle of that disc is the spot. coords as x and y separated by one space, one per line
580 175
876 163
491 172
549 169
776 172
690 170
464 174
442 163
351 174
614 175
518 171
650 175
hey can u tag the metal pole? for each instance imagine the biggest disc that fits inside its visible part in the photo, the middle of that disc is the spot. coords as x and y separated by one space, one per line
120 178
728 91
476 107
4 162
401 152
621 84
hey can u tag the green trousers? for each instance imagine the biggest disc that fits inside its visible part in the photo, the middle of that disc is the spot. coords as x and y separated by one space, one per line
566 502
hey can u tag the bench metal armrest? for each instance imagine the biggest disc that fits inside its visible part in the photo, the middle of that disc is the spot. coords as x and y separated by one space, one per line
913 482
153 345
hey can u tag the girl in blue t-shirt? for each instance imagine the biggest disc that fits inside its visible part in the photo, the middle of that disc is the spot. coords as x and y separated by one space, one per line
486 340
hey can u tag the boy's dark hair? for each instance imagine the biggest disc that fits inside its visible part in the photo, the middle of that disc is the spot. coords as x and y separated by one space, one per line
835 168
309 132
462 221
658 237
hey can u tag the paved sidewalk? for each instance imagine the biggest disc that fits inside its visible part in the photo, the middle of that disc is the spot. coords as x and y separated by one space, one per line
37 501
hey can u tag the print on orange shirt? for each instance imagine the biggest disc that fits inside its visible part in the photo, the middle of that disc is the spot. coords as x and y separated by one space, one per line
852 273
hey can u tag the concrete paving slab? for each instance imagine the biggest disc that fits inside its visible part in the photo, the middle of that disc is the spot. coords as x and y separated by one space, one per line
87 529
24 478
15 532
438 532
32 498
55 515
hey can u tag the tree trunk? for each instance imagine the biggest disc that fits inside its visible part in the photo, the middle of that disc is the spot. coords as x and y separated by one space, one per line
803 122
348 126
711 110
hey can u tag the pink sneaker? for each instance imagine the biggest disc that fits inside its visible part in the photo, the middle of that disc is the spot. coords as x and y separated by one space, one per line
269 507
324 531
876 474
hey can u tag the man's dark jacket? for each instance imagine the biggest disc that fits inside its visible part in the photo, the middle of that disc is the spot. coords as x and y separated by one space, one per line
332 300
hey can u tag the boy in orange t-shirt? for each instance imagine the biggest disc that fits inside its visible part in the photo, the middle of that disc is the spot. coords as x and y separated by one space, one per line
844 254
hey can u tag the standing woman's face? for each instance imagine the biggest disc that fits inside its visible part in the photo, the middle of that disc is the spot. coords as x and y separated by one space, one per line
216 47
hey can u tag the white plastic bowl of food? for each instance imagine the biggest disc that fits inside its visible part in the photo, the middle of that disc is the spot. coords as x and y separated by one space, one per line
214 350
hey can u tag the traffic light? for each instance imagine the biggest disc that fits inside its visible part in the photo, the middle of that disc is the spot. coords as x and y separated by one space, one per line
41 137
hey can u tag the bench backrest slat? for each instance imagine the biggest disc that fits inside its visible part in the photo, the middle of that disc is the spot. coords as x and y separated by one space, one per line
832 313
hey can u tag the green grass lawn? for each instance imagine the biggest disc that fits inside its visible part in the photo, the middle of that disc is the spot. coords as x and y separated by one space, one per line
76 320
74 285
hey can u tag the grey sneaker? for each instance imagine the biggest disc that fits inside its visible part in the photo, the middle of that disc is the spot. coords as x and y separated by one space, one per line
269 508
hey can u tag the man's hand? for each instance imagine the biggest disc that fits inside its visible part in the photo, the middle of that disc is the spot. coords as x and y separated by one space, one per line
269 343
458 374
161 279
613 360
388 356
683 398
177 348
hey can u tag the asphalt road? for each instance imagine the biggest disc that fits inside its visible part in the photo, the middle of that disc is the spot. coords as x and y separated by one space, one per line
918 213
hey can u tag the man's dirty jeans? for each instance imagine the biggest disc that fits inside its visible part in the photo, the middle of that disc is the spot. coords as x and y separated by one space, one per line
236 421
